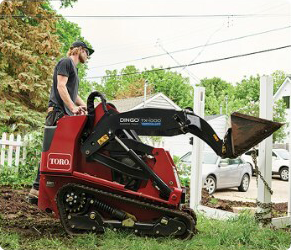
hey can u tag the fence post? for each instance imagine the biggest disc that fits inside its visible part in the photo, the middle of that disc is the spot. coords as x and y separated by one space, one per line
10 150
197 152
17 153
3 152
265 150
24 152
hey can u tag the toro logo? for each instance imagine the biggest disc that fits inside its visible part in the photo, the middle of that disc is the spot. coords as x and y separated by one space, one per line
59 161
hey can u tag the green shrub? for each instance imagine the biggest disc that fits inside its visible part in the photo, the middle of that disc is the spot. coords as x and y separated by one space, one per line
184 171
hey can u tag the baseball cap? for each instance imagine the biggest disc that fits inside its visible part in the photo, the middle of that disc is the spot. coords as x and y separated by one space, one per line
82 44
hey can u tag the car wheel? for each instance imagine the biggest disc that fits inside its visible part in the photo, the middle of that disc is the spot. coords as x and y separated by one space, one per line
284 174
245 182
210 184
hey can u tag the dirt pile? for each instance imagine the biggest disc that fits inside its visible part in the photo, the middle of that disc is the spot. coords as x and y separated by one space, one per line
278 210
17 215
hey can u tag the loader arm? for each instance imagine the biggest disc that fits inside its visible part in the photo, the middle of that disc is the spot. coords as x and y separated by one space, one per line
151 122
245 132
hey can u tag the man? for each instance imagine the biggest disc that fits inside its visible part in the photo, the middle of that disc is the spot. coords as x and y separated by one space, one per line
64 98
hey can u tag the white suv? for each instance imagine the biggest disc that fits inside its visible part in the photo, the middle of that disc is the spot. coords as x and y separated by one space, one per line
280 162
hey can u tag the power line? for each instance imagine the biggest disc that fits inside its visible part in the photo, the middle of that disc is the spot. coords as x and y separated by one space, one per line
202 62
195 78
191 48
148 16
205 45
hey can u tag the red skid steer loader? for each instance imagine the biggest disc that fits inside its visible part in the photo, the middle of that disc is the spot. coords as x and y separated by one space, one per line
96 173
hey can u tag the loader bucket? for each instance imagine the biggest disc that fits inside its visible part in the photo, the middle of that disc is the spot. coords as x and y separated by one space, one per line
248 131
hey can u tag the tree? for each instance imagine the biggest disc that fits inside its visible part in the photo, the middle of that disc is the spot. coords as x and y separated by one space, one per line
172 84
219 93
121 85
279 77
247 93
28 49
67 3
243 98
130 83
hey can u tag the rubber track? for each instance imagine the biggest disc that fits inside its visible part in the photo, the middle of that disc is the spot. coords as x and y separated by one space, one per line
190 221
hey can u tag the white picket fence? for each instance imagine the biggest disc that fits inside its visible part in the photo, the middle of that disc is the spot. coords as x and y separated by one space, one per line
13 149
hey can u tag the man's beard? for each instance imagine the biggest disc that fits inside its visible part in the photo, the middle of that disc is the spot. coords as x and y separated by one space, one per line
82 58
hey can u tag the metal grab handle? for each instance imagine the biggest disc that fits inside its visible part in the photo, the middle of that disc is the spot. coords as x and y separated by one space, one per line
91 109
90 102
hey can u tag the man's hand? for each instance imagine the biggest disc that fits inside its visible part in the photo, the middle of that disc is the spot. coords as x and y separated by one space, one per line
75 110
80 110
83 110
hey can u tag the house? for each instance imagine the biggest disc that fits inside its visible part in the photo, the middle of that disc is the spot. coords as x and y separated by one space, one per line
153 101
284 93
176 145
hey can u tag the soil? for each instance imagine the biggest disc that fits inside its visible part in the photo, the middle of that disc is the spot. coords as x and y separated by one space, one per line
278 209
17 215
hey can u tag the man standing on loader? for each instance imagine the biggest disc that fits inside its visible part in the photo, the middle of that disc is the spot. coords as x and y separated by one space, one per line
64 98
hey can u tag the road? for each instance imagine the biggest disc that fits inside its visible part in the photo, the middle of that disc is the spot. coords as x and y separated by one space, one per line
279 187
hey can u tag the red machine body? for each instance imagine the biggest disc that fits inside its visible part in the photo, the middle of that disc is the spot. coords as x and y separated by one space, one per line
64 163
95 171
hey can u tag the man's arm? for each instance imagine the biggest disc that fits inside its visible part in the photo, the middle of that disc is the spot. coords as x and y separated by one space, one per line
80 102
64 94
82 105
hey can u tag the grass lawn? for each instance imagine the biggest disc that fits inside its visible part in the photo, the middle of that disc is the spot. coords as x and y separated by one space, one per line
240 233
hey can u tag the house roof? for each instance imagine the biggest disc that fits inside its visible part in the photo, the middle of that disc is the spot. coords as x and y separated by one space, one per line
124 105
153 101
287 80
212 117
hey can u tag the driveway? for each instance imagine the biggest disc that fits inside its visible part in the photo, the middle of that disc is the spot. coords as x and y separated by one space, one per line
280 189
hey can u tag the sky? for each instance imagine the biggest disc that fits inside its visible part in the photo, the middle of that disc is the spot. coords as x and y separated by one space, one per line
200 24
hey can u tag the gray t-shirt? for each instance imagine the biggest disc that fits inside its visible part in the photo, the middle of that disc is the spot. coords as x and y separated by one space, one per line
65 67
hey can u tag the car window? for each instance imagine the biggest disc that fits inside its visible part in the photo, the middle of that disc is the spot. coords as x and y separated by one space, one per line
186 157
239 161
225 161
283 153
209 158
234 161
251 151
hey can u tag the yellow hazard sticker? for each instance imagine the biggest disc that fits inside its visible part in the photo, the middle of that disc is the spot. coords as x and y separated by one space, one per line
103 139
215 137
